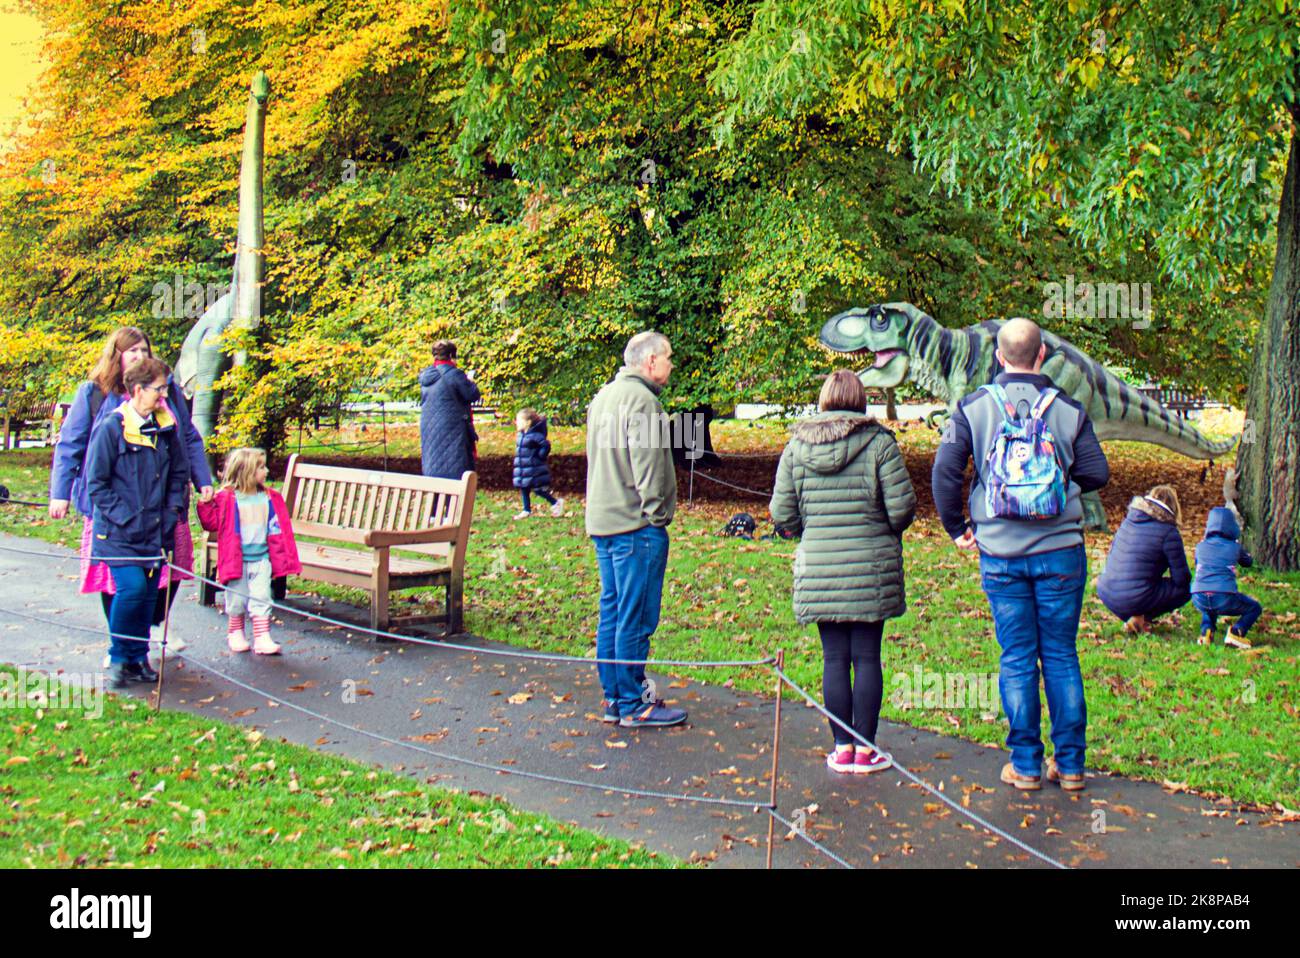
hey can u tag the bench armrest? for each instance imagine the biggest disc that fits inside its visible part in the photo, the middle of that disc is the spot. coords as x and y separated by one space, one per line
377 538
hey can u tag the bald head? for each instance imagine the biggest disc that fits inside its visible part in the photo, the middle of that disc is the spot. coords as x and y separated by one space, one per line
1020 344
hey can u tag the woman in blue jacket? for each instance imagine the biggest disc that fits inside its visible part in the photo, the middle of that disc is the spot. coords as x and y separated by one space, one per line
1134 586
447 434
136 474
93 403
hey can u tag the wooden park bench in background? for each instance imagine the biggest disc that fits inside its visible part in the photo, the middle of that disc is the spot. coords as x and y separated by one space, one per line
380 512
1179 401
24 411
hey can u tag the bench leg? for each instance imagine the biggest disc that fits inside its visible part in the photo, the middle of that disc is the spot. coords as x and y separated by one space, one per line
207 591
379 594
455 607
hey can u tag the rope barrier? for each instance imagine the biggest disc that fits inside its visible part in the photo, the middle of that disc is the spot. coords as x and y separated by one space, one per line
795 830
22 502
732 485
507 653
445 756
416 640
908 774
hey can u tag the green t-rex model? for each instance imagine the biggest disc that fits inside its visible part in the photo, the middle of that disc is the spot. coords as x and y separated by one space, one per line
202 359
951 363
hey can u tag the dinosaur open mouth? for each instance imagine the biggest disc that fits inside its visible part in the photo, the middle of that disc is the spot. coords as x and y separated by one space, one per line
884 356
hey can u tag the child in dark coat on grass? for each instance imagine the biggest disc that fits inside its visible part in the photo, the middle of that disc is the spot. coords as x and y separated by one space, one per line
531 473
1214 590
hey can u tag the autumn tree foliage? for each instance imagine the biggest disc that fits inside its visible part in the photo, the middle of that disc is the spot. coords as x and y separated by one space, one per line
539 180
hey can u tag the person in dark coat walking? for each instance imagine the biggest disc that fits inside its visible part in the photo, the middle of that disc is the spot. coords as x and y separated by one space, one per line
1134 585
531 473
136 474
447 437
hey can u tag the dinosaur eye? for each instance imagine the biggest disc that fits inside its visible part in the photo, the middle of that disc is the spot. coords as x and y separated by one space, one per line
851 326
879 321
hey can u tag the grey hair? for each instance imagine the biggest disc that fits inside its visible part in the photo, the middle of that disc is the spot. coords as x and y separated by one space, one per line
642 346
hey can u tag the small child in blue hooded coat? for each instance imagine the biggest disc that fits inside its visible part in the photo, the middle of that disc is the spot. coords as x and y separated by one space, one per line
1214 590
531 472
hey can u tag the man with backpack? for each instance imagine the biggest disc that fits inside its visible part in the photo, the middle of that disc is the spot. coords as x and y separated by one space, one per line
1035 453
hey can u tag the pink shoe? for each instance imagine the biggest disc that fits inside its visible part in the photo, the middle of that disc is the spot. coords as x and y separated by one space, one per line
235 635
262 644
868 760
840 760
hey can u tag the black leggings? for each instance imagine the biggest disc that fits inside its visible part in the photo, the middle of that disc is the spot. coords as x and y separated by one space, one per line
856 645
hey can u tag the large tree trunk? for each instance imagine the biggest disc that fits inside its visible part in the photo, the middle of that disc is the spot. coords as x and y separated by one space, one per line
1268 459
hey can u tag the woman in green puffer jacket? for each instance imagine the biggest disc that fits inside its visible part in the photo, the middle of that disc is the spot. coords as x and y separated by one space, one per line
843 484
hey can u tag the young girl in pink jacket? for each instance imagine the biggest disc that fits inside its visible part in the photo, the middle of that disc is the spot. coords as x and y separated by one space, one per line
254 545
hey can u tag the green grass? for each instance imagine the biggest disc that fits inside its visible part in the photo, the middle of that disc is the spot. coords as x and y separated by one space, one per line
1160 707
131 788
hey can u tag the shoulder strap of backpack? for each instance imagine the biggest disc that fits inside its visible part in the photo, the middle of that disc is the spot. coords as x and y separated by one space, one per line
97 398
1043 401
1000 397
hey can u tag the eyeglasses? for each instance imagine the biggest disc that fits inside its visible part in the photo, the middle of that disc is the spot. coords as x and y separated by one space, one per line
157 390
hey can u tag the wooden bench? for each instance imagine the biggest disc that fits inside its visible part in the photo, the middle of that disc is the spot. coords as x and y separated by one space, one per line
24 410
381 511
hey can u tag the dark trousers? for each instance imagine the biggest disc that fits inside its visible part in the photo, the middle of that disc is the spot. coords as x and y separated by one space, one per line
1164 597
131 612
855 647
1214 604
166 599
544 493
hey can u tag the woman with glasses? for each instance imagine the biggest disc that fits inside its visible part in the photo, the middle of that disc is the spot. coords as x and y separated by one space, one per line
137 471
94 401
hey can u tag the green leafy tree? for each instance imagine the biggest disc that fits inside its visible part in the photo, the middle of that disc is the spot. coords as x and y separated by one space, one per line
1151 135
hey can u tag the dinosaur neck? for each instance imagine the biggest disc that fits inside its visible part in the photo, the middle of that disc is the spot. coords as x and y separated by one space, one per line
927 343
248 254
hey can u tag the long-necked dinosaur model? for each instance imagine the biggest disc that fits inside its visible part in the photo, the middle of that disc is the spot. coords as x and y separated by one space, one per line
202 359
950 363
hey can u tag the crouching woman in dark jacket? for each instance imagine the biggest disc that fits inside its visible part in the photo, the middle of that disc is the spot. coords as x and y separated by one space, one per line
843 483
1134 586
136 474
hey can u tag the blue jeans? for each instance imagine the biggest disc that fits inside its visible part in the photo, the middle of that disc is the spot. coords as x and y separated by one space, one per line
1215 604
1036 601
632 568
131 613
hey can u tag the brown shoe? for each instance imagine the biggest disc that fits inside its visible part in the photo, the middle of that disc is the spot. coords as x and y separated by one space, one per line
1071 783
1026 783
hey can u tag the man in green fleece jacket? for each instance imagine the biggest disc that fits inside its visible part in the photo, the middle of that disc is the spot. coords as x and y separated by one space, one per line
631 498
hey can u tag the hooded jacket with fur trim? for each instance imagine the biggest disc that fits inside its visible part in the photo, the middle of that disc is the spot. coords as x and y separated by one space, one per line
1146 546
842 482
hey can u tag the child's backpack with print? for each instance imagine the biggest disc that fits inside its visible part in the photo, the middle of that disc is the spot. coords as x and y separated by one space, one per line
1023 478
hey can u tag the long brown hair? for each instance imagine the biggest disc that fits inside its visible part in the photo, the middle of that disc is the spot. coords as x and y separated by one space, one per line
107 374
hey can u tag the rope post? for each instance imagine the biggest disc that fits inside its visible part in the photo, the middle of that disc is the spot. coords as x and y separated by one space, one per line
776 752
167 618
383 421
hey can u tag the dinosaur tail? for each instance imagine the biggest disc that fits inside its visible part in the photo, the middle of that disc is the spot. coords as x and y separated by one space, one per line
1126 413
